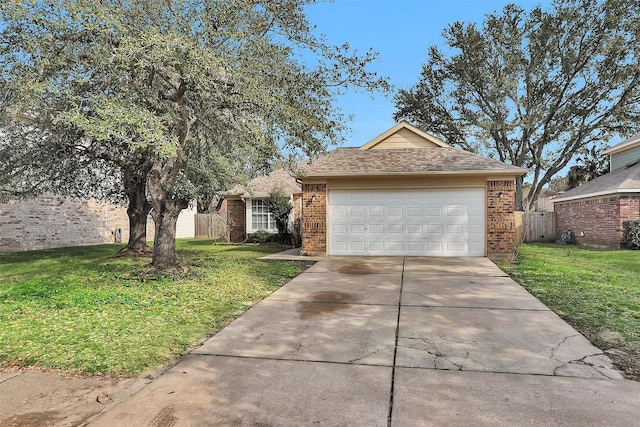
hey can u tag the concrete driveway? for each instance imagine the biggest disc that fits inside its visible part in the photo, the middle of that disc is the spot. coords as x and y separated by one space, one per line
391 341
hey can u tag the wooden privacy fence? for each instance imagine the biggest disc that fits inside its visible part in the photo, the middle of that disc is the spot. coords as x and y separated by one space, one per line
535 227
212 226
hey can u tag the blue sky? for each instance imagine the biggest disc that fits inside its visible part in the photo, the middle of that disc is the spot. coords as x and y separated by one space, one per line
401 32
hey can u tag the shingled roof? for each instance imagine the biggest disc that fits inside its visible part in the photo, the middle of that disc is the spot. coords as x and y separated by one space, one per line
622 180
263 185
405 161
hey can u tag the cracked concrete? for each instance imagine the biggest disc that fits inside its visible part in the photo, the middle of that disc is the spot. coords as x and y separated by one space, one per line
470 346
592 365
496 340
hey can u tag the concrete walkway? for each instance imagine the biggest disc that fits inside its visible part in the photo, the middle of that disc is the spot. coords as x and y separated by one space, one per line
391 341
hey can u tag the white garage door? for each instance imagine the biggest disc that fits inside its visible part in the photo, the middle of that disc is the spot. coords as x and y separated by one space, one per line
434 222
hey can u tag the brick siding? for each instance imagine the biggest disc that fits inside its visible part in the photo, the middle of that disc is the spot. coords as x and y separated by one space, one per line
629 208
236 210
314 219
52 222
597 222
501 231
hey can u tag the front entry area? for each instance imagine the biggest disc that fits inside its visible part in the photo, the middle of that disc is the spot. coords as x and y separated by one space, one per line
415 222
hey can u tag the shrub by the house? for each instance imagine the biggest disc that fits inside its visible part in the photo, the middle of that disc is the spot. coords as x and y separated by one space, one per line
631 233
279 205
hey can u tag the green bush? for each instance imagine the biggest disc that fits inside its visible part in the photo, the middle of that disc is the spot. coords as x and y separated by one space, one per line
631 234
262 236
280 207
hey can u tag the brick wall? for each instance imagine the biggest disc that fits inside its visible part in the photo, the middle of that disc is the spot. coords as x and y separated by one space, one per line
629 208
597 222
51 222
54 222
236 211
501 231
314 218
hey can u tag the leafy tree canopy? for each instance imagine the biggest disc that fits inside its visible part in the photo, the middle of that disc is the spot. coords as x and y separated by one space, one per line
198 88
590 164
534 88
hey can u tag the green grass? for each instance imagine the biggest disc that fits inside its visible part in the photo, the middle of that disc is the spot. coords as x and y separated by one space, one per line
596 291
85 310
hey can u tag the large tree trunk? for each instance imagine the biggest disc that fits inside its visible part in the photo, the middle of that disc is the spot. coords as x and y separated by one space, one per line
138 212
166 207
162 182
165 216
519 183
135 182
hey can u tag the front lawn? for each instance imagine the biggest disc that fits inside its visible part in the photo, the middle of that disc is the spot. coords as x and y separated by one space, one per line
83 309
595 291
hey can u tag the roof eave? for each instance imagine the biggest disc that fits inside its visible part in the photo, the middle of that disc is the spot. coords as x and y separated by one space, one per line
232 196
479 172
596 194
625 145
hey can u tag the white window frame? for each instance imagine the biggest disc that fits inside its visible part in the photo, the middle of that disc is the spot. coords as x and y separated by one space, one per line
251 205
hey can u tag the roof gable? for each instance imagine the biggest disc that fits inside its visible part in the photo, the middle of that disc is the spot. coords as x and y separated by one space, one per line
403 135
404 150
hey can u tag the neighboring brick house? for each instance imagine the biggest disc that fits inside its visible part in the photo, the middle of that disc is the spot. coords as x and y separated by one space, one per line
245 204
596 210
408 193
50 221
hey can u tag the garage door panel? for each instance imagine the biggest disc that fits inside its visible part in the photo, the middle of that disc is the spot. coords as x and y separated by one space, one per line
356 229
475 211
434 247
415 247
455 246
475 247
414 196
339 246
455 229
414 230
455 211
340 198
376 229
359 197
340 229
395 196
357 212
395 229
434 229
440 222
376 246
396 246
357 245
338 213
